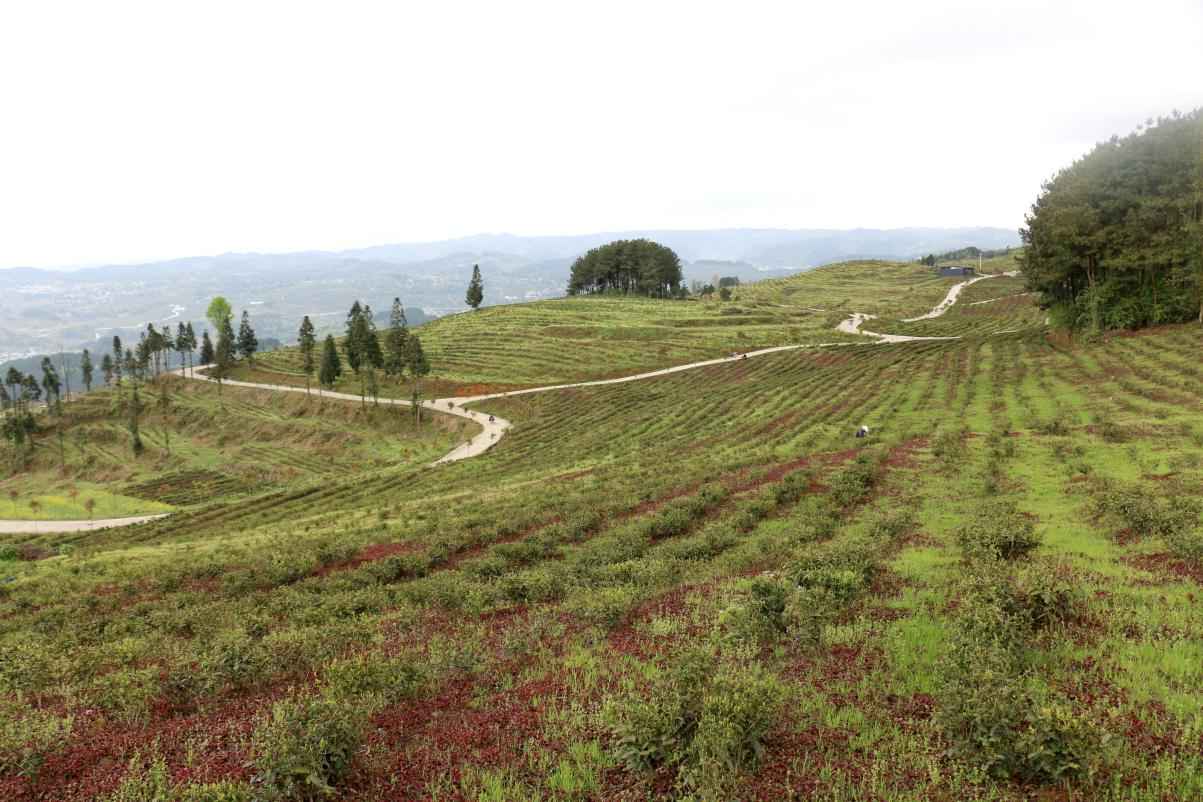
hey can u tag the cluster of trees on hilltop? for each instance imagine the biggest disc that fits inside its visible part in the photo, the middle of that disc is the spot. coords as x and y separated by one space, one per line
628 267
1116 239
969 252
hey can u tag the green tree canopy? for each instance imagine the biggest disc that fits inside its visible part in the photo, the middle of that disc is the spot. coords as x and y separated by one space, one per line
307 342
331 367
476 289
219 312
248 343
1116 240
630 267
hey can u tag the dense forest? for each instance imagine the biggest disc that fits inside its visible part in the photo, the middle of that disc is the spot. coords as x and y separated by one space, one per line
629 267
1116 240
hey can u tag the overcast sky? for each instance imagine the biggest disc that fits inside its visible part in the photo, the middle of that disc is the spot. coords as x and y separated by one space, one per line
137 131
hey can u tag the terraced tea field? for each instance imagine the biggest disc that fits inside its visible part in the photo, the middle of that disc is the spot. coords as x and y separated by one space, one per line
575 339
697 586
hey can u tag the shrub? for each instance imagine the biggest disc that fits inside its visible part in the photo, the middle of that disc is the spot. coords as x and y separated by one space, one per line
1056 743
998 530
233 659
739 708
1045 596
948 446
27 736
1145 513
1060 424
304 747
605 607
1187 544
706 720
388 679
988 707
852 485
144 782
657 730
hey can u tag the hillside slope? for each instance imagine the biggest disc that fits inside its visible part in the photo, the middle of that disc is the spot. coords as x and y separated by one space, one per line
713 547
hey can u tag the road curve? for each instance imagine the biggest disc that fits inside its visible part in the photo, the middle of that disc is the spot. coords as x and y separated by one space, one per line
17 527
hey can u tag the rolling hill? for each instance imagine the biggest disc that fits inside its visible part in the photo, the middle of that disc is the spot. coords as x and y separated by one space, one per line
700 585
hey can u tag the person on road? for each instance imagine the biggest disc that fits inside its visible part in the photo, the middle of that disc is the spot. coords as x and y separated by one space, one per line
491 419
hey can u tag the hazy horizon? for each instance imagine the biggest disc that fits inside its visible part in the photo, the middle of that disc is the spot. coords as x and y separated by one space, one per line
497 234
148 132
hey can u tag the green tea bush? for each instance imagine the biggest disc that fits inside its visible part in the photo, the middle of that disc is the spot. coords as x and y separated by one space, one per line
989 706
304 747
792 487
657 730
387 679
1187 544
1046 596
707 720
948 446
605 607
1061 423
234 659
27 736
1057 743
998 530
739 709
126 693
1145 513
536 585
852 485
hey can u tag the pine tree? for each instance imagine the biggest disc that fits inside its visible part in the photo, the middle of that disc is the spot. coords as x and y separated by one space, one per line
130 364
118 358
191 344
416 362
142 354
207 354
224 353
476 289
371 341
351 343
248 343
149 348
85 367
52 386
164 404
394 341
307 342
331 367
181 344
135 408
106 369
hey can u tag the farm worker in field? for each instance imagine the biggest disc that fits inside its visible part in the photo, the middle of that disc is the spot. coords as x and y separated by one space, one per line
863 431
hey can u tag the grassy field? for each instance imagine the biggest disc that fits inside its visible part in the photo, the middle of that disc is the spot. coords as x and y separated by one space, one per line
700 587
209 449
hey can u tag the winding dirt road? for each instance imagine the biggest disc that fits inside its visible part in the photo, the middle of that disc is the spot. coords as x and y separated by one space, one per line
494 428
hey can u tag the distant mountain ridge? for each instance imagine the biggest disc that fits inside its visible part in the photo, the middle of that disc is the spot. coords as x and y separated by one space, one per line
766 247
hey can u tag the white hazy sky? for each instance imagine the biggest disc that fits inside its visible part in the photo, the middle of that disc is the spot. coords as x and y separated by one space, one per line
144 130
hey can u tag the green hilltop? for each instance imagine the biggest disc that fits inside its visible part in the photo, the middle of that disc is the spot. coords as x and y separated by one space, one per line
701 585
